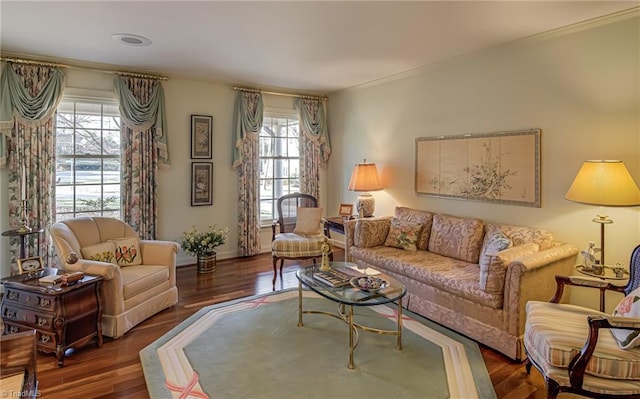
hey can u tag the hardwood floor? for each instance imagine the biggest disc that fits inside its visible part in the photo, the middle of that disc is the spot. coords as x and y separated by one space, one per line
114 370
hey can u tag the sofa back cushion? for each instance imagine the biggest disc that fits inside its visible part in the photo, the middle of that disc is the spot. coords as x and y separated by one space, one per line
417 216
459 238
519 235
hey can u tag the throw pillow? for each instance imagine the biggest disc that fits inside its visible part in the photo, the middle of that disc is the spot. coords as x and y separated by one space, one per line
403 234
628 307
103 252
128 251
495 244
308 221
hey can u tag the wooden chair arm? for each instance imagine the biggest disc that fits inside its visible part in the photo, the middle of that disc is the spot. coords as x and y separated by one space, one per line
274 224
579 363
579 281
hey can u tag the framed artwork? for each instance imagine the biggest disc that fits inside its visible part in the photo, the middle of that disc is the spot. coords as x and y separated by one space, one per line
201 137
346 209
502 167
30 265
201 183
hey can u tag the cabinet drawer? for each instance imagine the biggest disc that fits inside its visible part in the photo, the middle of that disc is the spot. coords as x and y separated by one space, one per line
31 299
27 317
44 339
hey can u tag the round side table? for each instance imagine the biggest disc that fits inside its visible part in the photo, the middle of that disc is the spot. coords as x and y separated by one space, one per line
23 235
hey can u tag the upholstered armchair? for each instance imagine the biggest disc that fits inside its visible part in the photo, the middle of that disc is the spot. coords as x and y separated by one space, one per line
298 232
586 351
139 275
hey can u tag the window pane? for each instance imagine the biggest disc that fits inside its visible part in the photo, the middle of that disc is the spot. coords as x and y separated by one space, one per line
265 147
87 159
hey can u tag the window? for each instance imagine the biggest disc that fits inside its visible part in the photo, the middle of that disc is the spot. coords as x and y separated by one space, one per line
279 162
87 159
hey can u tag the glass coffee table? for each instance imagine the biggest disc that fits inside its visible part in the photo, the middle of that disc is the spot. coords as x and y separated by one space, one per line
353 289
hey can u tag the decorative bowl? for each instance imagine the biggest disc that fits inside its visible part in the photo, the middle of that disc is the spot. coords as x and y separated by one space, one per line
371 284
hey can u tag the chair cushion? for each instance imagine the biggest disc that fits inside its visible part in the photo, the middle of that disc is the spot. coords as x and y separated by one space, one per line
291 245
128 251
103 252
555 333
403 234
140 278
628 307
308 221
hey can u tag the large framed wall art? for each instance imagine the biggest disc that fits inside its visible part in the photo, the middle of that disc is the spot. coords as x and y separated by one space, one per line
502 167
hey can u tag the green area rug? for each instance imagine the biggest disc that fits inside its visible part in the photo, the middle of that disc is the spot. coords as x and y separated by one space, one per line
252 348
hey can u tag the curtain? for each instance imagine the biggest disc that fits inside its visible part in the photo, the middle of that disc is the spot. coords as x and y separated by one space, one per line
144 148
247 122
316 147
29 96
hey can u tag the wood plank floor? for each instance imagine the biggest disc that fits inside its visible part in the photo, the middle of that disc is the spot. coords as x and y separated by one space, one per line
114 370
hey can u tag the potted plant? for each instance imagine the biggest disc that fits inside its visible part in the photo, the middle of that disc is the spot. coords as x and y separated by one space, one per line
203 244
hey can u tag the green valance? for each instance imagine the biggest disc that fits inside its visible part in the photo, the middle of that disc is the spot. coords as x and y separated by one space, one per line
141 117
17 103
247 120
313 123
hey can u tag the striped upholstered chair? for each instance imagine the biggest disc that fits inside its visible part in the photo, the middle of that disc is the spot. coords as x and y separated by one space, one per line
574 348
298 232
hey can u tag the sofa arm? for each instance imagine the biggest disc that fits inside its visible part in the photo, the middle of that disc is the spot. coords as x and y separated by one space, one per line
532 278
108 271
157 252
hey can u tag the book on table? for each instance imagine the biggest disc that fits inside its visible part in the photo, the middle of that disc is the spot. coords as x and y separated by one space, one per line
333 278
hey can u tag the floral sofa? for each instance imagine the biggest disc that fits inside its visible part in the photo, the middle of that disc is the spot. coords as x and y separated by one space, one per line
473 277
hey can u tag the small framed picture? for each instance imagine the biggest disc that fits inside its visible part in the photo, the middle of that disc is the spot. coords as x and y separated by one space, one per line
30 265
201 137
201 183
346 209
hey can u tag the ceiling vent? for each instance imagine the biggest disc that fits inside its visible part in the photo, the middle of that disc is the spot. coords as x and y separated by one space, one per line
129 39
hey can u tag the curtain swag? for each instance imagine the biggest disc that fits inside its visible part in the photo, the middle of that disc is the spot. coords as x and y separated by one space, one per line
16 102
313 123
141 117
247 120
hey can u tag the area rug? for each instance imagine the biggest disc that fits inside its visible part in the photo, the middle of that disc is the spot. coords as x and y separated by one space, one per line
252 348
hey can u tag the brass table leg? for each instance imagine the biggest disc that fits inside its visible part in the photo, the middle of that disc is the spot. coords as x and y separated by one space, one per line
399 338
300 303
351 346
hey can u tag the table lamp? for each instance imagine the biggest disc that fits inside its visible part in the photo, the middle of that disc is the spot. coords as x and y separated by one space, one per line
604 183
365 178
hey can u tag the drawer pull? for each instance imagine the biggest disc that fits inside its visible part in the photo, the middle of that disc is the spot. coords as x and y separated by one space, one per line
41 321
13 329
45 339
10 313
14 295
45 302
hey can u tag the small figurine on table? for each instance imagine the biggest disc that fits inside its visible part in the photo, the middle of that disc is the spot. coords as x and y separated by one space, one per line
589 256
325 248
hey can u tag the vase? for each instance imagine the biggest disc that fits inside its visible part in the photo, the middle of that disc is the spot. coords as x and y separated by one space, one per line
207 263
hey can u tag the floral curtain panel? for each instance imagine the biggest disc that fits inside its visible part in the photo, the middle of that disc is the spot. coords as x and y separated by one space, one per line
316 147
29 96
144 148
247 122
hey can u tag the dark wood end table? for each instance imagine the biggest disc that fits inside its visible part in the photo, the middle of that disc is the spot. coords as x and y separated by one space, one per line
63 316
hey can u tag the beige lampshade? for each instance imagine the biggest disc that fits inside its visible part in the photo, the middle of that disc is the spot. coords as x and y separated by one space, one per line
365 177
606 183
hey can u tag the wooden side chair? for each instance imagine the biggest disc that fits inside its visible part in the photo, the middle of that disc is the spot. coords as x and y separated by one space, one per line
18 362
574 348
298 232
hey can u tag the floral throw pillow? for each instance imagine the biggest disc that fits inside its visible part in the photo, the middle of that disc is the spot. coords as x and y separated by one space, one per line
403 234
128 251
628 307
103 252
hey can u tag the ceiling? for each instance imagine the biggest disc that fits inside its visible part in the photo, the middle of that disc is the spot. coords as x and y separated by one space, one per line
306 46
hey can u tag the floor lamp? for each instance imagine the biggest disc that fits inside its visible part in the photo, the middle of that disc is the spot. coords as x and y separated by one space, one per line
604 183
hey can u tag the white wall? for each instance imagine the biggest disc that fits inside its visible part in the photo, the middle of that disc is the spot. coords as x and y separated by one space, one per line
175 215
580 87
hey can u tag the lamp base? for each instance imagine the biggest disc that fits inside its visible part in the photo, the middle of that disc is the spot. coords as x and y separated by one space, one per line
365 204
